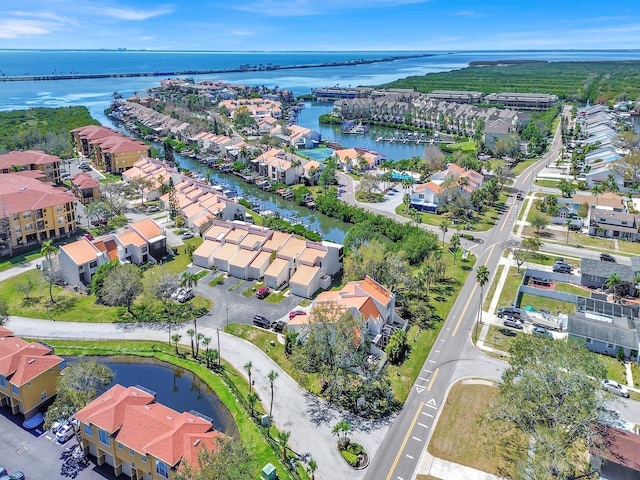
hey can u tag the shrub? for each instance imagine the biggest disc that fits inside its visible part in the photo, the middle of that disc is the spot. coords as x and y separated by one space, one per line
355 448
350 458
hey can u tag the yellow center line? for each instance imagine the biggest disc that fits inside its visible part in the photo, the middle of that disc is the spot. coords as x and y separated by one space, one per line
433 379
404 443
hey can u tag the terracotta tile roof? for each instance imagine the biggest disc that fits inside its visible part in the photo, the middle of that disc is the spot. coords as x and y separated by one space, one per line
198 222
434 187
81 251
235 236
19 193
24 158
251 240
84 180
376 290
618 446
108 410
120 144
21 361
147 228
108 245
91 132
5 332
131 237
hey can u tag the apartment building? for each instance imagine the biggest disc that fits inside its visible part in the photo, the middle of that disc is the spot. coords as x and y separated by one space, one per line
49 165
28 374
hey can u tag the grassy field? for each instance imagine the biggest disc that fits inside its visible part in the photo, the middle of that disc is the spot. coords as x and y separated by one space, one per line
510 288
615 369
492 289
545 182
570 288
249 433
18 259
596 81
523 165
463 436
495 339
541 303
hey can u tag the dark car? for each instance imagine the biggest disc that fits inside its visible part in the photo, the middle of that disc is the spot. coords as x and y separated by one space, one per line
278 326
17 476
562 268
507 332
605 257
519 196
542 332
260 321
510 311
262 292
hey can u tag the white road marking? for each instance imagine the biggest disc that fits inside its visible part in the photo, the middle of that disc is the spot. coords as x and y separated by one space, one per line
420 388
432 403
427 414
423 425
417 439
437 351
409 456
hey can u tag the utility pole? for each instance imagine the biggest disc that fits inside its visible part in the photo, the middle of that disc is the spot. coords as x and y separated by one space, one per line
218 332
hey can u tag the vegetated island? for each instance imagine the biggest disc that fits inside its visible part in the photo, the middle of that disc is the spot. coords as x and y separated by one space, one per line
240 68
596 81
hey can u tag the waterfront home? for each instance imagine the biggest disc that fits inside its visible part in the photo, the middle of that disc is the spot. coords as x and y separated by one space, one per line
49 165
29 373
301 137
428 196
33 211
117 153
85 187
279 166
350 158
425 197
127 429
257 107
156 171
531 101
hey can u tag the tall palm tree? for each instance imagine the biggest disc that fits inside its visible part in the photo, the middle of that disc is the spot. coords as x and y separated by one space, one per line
205 342
252 398
49 250
482 277
596 190
191 332
313 466
199 337
444 226
283 436
176 338
247 367
272 375
190 280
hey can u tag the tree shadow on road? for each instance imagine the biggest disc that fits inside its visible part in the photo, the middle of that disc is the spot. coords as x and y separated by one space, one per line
73 462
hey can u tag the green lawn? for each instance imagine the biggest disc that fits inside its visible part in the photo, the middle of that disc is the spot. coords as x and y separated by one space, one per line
463 436
542 258
251 437
495 339
18 259
178 263
570 288
523 165
554 306
492 289
615 369
510 288
546 182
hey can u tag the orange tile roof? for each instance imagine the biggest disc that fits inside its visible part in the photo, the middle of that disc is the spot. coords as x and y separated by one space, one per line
20 193
21 361
81 251
120 144
107 411
277 240
5 332
94 131
147 228
84 180
107 245
24 158
226 252
243 258
131 237
434 187
376 290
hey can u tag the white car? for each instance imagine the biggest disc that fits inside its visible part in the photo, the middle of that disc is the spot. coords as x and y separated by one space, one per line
65 432
187 235
614 387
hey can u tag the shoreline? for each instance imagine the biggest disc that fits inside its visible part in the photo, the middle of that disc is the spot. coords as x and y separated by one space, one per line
240 69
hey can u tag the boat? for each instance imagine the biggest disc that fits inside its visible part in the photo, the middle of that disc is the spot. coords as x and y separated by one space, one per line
351 128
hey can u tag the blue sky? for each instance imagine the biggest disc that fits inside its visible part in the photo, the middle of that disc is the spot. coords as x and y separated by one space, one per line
320 24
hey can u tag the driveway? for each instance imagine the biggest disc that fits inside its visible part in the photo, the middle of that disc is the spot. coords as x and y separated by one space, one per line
228 300
308 418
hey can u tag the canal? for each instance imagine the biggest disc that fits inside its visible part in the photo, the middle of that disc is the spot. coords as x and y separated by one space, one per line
175 387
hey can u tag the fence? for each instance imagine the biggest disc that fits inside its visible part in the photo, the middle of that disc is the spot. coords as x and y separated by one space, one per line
143 346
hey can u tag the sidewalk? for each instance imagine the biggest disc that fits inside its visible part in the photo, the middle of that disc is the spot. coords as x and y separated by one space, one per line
308 418
20 268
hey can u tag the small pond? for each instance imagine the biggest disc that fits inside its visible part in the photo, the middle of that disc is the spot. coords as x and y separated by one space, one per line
175 387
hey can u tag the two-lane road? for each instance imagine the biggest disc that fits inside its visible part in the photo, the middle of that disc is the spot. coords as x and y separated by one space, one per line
453 355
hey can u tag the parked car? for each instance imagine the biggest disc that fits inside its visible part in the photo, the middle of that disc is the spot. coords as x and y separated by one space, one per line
511 311
520 196
278 326
295 313
614 387
17 475
65 432
507 333
606 257
562 268
153 209
509 321
542 332
260 321
55 426
187 235
184 295
262 292
5 477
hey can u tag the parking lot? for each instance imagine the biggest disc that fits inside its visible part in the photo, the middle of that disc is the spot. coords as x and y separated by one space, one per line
39 456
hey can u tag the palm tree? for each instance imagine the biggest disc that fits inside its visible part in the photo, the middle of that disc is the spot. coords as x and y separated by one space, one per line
190 280
199 337
211 357
191 332
205 342
429 273
247 367
49 250
596 190
272 375
252 398
482 277
283 436
612 285
313 466
176 338
444 226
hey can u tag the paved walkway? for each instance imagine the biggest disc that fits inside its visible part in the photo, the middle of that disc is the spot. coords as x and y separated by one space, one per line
308 418
20 268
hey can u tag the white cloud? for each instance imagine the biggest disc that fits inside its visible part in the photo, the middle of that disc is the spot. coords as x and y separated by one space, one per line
468 13
13 28
125 13
299 8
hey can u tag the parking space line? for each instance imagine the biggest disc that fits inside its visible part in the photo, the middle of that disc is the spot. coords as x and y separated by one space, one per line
417 439
423 425
409 456
427 414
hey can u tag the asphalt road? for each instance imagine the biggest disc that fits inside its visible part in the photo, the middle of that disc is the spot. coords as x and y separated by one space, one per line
453 355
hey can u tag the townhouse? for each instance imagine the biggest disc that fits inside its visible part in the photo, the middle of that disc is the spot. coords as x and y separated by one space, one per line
355 158
257 107
85 187
279 166
144 241
49 165
156 171
32 211
531 101
28 374
301 137
127 429
251 252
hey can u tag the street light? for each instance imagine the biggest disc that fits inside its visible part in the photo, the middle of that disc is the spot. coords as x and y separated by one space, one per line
227 316
218 332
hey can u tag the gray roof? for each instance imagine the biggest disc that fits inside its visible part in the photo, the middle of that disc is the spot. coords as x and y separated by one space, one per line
602 269
622 332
